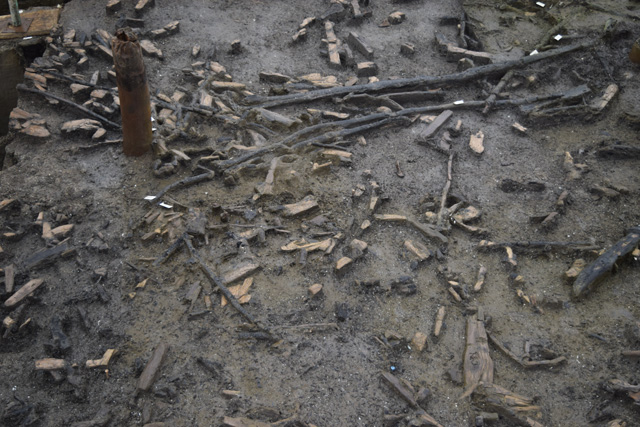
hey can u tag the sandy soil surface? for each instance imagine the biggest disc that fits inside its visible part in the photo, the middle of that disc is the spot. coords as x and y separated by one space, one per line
324 359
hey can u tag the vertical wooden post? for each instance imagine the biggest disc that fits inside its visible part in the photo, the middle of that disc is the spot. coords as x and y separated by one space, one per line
14 10
133 90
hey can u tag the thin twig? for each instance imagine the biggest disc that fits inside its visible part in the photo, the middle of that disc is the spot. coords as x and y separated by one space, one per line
185 181
445 191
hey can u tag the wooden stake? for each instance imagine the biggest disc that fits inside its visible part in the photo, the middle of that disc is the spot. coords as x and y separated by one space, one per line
135 105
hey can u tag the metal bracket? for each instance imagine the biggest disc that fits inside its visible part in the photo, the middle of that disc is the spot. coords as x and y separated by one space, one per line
6 27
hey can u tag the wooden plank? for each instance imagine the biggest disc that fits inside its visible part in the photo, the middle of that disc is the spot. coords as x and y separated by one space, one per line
43 22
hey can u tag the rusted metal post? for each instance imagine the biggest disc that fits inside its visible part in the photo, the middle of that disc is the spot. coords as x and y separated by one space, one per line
14 10
133 90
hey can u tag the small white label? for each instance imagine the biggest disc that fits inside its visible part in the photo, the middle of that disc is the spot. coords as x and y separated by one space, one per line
164 205
150 198
458 102
533 52
539 3
558 37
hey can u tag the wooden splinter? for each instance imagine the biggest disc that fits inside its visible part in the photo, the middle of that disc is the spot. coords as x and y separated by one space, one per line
133 90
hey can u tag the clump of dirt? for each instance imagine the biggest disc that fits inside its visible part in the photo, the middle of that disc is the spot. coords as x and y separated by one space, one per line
342 249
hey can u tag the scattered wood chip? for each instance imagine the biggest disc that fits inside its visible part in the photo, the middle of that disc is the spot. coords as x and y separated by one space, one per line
419 341
23 292
241 292
102 362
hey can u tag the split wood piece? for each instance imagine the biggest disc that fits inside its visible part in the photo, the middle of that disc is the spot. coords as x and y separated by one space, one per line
593 273
332 44
82 125
519 128
113 6
102 362
631 353
240 272
356 43
418 249
343 262
366 69
23 88
308 246
220 285
433 81
241 292
521 360
455 53
6 203
445 192
273 77
142 5
576 268
482 274
425 229
150 49
133 93
478 366
305 206
491 100
439 322
183 182
585 246
9 278
436 124
476 142
515 408
407 395
152 369
50 364
23 292
601 103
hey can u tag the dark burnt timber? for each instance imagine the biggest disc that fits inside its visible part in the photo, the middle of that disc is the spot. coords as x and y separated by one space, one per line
403 84
591 276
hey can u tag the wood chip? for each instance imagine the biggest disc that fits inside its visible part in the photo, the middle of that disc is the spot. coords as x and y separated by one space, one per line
306 205
476 142
241 292
23 292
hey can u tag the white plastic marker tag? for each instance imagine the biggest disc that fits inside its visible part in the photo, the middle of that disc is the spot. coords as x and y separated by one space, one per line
539 3
164 205
458 102
150 198
533 52
558 37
